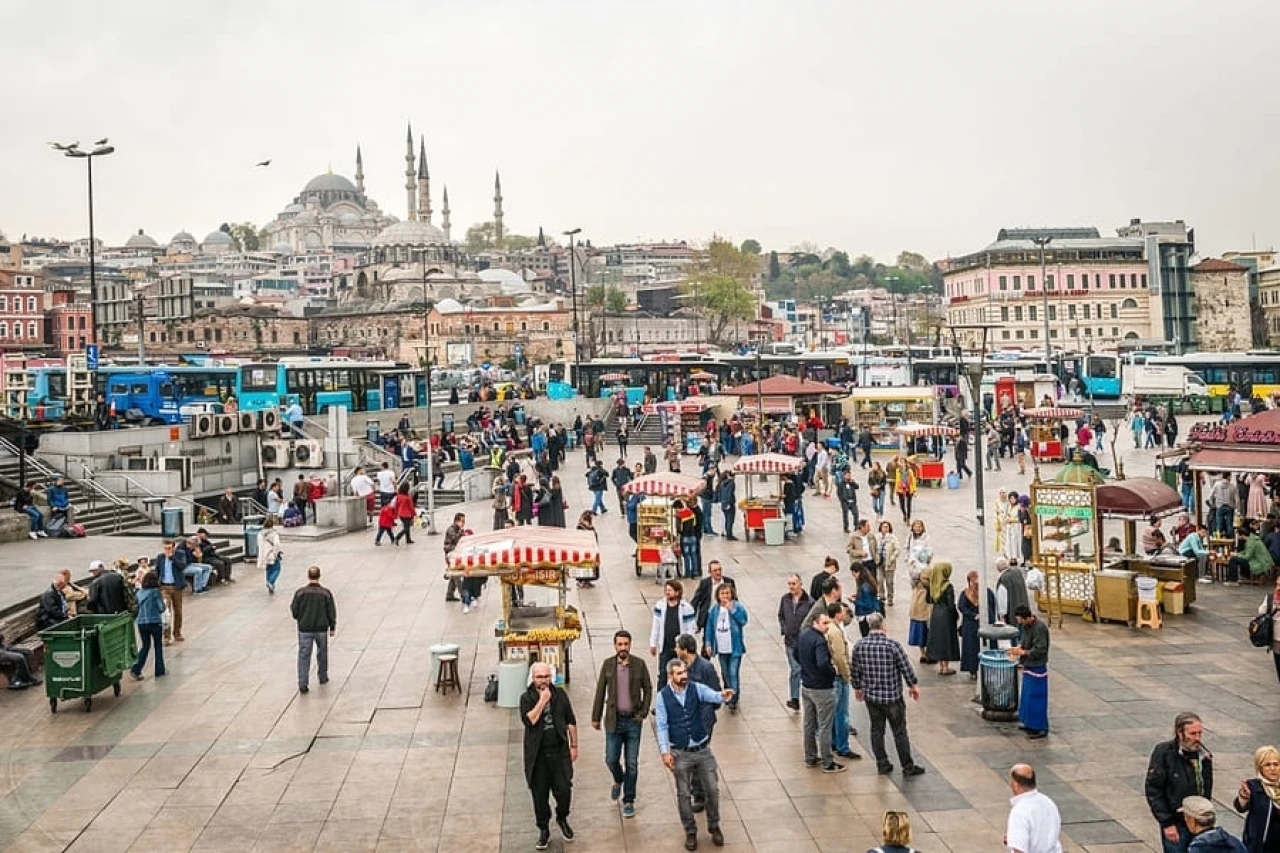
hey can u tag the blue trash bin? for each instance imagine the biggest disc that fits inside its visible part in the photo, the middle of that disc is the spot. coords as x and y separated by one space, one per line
252 526
998 677
171 522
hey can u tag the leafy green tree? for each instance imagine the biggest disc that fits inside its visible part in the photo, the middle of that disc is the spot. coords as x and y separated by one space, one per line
719 286
245 236
482 237
751 247
615 301
775 269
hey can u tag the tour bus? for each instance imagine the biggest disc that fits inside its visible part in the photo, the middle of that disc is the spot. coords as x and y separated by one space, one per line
159 395
318 384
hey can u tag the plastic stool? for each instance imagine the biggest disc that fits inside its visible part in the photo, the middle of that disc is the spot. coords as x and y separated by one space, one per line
1148 614
448 675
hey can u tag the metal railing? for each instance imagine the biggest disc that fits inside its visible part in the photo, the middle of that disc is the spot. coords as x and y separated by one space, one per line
146 492
93 491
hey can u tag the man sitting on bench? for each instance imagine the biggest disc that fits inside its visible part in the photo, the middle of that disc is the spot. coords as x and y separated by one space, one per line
16 661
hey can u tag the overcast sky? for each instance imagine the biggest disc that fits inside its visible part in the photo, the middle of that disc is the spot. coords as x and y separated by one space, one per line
873 127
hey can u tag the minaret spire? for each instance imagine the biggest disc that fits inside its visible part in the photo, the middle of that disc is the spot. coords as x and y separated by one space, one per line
444 213
497 209
359 170
424 184
409 184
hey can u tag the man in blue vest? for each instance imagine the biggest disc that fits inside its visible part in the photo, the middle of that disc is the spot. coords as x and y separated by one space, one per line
700 671
685 745
170 568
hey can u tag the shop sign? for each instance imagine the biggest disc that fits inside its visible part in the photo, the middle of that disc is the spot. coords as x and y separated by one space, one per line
1234 434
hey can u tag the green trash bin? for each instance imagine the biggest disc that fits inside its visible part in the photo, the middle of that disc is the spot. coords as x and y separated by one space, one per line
86 655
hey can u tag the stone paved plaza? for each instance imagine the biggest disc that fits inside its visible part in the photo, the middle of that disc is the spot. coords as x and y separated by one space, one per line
225 755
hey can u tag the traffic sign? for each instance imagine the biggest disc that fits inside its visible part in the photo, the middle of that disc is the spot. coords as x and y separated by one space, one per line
91 356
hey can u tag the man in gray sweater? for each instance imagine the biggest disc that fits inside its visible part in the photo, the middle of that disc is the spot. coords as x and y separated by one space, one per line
317 617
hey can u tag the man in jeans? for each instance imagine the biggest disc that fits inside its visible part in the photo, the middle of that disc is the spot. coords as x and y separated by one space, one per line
317 618
624 693
792 609
817 693
880 667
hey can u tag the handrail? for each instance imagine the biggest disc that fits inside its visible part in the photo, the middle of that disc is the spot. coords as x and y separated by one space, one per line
144 489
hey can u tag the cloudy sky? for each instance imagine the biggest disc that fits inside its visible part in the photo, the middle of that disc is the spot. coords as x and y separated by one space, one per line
873 127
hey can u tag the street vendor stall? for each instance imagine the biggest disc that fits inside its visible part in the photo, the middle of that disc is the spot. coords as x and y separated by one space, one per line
534 559
656 529
684 421
757 510
929 471
1045 431
882 410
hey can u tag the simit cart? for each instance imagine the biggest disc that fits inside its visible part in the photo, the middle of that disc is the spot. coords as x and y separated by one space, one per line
85 655
656 533
1045 431
929 471
757 510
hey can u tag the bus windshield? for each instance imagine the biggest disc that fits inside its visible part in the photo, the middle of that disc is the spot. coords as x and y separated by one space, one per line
258 377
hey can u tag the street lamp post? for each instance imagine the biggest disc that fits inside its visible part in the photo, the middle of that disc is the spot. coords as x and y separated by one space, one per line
573 285
974 372
426 370
100 149
759 394
1041 242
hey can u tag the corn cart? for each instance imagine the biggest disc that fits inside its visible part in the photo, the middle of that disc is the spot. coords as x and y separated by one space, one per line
85 655
1044 431
656 533
537 628
929 471
757 510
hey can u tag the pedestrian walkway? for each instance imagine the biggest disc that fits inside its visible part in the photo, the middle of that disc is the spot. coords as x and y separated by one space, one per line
225 755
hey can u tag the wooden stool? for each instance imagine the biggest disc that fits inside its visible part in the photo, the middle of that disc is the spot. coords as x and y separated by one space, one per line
448 675
1148 614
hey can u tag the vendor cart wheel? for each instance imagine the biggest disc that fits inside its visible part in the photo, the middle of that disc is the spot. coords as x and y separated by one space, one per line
88 704
53 706
639 569
115 688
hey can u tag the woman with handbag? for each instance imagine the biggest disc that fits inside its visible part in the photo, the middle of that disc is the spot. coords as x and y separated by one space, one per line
723 636
269 553
1271 604
1259 802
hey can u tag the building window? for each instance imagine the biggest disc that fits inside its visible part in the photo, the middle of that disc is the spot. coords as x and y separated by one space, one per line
1144 280
82 318
1053 312
546 327
1017 313
31 305
1017 282
1035 334
1021 335
1088 331
1133 280
1004 283
153 337
217 335
1073 332
17 330
1115 332
495 327
1114 311
4 303
1071 281
1053 333
1071 312
1031 282
296 338
1049 282
1112 278
1031 313
1004 335
1086 311
1004 313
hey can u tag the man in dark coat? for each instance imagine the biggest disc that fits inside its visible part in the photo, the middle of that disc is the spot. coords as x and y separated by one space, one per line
53 604
106 592
1178 769
708 587
550 748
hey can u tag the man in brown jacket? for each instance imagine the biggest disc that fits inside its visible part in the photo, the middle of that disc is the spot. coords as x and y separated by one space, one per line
624 692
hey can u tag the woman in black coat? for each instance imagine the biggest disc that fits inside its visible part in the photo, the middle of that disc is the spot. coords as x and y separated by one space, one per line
944 632
1259 802
551 504
970 616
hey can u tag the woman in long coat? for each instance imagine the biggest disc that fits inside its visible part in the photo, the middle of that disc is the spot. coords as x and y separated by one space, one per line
944 630
920 612
970 620
1012 531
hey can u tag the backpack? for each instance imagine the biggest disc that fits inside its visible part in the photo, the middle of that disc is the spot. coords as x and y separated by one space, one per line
597 480
1261 634
491 689
78 531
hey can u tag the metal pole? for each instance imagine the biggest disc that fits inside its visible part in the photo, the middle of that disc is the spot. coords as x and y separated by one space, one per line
573 285
426 368
975 372
759 395
1044 299
93 273
142 348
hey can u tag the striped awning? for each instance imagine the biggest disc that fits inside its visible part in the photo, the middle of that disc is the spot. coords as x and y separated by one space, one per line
768 463
615 377
665 484
924 430
536 547
1054 413
676 406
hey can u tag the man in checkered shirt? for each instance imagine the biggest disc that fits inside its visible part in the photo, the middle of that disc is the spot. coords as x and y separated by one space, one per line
880 667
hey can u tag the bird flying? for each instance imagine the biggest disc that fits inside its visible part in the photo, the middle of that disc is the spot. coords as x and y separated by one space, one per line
61 147
263 163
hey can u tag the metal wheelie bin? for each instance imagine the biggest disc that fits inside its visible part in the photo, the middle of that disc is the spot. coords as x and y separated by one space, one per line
85 655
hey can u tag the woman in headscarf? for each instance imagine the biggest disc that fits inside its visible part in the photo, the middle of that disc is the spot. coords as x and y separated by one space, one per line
970 617
1259 802
1001 518
1012 531
1024 527
943 643
919 613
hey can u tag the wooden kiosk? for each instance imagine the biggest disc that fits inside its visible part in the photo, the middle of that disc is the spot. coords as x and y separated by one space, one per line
929 471
532 558
656 532
1044 431
883 410
757 510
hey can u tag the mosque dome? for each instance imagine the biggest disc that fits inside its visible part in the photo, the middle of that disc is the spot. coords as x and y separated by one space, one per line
182 237
450 306
294 208
507 280
410 233
141 241
329 182
218 238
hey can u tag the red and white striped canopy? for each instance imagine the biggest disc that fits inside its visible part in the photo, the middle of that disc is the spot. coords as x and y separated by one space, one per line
768 463
615 377
702 375
922 430
665 484
538 547
1054 413
677 406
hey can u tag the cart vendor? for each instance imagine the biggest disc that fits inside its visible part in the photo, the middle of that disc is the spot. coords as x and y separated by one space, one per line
1033 652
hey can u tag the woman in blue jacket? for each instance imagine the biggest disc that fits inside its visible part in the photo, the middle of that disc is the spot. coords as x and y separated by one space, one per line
1259 802
723 637
150 622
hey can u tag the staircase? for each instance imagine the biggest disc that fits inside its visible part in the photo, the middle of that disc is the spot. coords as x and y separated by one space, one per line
100 512
648 433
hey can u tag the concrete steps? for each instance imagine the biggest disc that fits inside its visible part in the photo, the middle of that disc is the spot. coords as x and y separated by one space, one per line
98 517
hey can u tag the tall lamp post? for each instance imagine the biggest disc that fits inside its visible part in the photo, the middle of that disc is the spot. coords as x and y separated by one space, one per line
974 372
101 148
1041 242
573 286
427 305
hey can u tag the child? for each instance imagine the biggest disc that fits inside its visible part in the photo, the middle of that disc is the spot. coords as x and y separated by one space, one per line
386 524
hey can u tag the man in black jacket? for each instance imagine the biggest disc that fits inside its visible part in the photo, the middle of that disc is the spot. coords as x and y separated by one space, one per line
705 595
53 604
794 606
317 617
550 749
817 693
624 692
1178 769
620 477
847 494
209 552
106 592
17 661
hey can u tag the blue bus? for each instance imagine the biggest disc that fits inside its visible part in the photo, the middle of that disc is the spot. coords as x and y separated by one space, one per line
159 395
318 384
48 397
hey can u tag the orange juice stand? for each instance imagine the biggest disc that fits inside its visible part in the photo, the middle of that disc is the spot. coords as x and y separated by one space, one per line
757 510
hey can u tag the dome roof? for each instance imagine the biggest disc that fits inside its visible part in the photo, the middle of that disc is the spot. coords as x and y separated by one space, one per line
507 280
329 182
140 241
294 208
348 218
182 237
412 233
218 238
450 306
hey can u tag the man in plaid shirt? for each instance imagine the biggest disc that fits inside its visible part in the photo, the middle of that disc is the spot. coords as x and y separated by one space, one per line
880 667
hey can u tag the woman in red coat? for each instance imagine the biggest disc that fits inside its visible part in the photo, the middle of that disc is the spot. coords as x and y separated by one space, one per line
404 509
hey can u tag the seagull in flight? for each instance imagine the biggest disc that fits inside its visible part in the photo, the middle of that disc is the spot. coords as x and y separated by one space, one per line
60 147
103 141
263 163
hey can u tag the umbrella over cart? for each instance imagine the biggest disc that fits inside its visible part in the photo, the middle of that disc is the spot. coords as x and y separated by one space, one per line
665 484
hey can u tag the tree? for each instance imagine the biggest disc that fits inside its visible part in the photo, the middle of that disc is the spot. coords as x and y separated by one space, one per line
913 261
718 286
244 236
751 247
775 270
480 238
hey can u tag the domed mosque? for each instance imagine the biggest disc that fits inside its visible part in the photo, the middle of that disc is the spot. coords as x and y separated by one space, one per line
330 214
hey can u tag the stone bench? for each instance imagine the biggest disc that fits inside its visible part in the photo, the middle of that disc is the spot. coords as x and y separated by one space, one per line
18 627
14 526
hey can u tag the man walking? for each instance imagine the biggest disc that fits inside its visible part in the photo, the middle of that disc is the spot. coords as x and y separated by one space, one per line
685 745
792 610
597 482
1033 651
708 588
1206 836
170 569
1179 768
451 538
550 748
817 693
839 645
728 503
880 668
701 671
106 592
624 693
317 618
620 477
1034 825
672 617
847 494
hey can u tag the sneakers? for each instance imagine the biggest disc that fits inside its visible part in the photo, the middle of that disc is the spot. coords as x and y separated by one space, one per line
466 608
41 534
565 829
304 689
691 841
136 675
615 792
628 810
849 753
833 767
544 839
324 680
271 589
32 536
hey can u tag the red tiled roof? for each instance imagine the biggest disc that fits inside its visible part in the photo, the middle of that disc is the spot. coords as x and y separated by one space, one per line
783 386
1217 265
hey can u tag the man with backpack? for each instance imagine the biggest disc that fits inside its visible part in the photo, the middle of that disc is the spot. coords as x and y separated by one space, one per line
620 477
597 482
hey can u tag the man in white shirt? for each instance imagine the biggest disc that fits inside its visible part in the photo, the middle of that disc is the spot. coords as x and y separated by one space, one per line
386 484
1034 824
362 487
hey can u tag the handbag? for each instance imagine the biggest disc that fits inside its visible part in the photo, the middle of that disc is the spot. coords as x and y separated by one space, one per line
1261 633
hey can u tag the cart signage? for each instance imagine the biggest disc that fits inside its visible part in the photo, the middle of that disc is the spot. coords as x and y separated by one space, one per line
1065 511
66 660
1210 433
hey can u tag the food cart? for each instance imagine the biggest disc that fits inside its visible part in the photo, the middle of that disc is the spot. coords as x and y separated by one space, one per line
1044 431
541 628
656 532
929 471
757 510
684 421
883 410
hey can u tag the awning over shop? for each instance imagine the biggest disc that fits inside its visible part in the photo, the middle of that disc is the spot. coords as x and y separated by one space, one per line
1136 499
1235 459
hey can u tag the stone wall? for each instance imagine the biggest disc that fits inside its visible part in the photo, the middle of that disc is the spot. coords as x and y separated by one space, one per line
1222 309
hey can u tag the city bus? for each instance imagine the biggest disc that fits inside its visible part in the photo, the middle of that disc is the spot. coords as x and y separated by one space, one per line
1253 374
163 394
318 384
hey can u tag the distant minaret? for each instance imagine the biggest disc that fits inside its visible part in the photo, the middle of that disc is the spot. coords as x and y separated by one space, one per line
409 184
359 171
444 213
497 209
424 185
